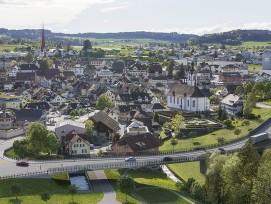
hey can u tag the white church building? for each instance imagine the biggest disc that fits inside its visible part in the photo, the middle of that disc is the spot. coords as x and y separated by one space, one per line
187 98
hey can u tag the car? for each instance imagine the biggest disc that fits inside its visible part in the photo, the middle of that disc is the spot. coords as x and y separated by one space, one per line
167 159
22 163
130 159
222 150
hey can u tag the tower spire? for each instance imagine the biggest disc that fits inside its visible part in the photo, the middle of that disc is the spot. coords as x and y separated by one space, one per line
42 39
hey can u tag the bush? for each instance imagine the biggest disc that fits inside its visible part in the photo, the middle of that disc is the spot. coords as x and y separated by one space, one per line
196 143
62 178
228 123
49 157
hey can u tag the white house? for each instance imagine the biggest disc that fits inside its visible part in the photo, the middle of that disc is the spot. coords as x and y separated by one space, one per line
79 146
78 70
187 98
111 96
105 73
58 99
232 104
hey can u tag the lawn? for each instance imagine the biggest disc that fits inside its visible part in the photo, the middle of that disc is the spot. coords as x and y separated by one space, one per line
113 176
9 47
254 67
188 170
227 134
165 197
32 188
157 179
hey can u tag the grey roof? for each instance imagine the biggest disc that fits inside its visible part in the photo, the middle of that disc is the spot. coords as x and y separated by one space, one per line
106 120
28 67
231 99
31 115
185 90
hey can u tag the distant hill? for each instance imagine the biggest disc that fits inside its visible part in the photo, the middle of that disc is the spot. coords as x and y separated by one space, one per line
235 37
35 34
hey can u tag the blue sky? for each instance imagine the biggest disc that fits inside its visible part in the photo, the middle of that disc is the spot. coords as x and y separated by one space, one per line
182 16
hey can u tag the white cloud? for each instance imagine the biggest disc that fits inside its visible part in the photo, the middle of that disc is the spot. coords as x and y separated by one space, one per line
30 13
218 28
114 8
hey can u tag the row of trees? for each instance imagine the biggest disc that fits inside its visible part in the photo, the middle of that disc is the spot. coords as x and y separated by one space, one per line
244 177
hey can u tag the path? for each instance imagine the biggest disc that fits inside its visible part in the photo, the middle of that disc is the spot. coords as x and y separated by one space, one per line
262 105
109 193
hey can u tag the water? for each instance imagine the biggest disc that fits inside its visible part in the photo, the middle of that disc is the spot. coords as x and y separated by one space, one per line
80 182
170 174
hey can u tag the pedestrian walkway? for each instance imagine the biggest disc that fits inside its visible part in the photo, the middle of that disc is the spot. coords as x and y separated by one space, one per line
109 193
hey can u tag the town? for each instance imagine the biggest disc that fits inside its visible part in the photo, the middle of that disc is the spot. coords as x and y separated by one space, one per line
77 114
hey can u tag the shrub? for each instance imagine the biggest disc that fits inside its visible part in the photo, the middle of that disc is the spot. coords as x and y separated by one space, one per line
196 143
62 178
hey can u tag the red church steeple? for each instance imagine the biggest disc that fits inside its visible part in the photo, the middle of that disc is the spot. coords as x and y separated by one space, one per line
42 40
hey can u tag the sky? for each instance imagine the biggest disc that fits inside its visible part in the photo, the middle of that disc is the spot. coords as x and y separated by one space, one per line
101 16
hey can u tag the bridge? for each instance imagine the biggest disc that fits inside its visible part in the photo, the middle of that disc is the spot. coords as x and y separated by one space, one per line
8 168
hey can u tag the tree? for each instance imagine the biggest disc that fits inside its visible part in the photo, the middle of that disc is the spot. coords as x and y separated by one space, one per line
126 185
176 123
72 190
170 68
156 117
246 123
74 113
87 46
21 148
45 196
214 99
237 132
15 189
29 57
36 133
228 123
46 63
89 129
239 90
181 73
173 142
103 102
52 143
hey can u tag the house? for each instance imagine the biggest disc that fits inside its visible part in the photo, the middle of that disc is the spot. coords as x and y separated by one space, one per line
125 112
111 96
98 63
23 93
65 127
39 105
155 69
153 108
10 101
105 127
30 115
78 70
232 104
136 70
28 68
7 119
187 98
136 128
105 72
144 142
47 76
76 144
232 78
27 77
57 99
133 98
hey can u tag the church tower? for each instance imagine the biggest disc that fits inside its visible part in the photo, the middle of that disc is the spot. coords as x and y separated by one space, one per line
42 40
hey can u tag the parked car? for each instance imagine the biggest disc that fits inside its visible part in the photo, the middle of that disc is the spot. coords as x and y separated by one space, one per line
22 163
167 159
130 159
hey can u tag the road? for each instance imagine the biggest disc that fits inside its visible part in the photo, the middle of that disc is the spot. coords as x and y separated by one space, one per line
8 167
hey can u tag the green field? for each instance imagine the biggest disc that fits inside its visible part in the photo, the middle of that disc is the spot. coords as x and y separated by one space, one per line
227 134
160 196
9 47
32 188
188 170
250 44
254 67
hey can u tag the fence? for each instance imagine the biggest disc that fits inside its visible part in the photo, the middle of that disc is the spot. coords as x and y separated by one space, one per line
115 165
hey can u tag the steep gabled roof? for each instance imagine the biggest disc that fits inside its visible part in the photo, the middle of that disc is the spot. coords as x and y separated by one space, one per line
31 115
185 90
106 120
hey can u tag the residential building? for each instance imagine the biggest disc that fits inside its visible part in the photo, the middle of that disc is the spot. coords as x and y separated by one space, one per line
231 78
78 70
232 104
30 116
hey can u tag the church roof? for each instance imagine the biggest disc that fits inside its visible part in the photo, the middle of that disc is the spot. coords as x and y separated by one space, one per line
185 91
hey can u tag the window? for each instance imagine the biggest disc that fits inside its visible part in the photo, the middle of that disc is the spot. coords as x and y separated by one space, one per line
177 100
187 103
83 145
174 99
194 103
74 145
83 151
170 99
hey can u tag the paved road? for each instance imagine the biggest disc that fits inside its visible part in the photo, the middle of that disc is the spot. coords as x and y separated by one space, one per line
109 193
261 105
8 167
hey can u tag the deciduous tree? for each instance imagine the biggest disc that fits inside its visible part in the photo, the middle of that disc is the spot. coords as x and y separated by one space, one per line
103 101
126 185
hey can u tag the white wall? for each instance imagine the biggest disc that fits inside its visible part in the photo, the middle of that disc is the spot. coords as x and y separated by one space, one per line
201 104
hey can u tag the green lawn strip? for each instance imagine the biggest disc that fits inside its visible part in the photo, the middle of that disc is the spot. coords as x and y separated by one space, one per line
188 170
113 176
32 188
159 196
152 178
227 134
9 47
267 103
10 153
254 67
